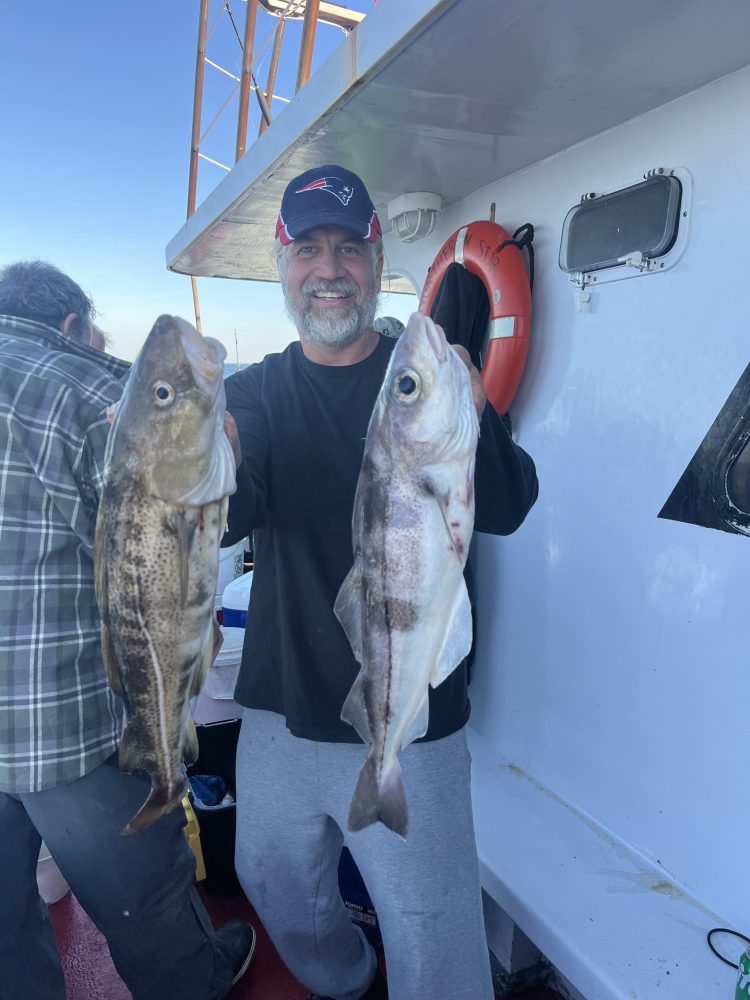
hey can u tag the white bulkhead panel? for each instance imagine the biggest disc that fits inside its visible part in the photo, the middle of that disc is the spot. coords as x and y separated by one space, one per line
612 661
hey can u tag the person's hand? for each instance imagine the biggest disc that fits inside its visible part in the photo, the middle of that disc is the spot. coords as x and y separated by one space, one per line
477 388
230 429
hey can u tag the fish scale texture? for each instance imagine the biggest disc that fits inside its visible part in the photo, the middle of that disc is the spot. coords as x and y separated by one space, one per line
90 974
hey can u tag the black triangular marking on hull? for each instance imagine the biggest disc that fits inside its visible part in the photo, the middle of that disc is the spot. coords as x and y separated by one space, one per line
714 490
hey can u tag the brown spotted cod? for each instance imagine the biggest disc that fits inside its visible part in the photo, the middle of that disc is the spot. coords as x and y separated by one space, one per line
169 470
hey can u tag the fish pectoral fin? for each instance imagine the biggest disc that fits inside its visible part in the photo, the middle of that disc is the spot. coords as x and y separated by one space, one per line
457 642
419 724
445 501
355 709
183 522
190 745
348 609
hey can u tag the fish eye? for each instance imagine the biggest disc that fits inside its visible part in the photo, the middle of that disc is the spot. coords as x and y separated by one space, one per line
406 386
163 393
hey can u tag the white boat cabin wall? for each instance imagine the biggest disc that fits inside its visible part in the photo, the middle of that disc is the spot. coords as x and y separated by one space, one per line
611 691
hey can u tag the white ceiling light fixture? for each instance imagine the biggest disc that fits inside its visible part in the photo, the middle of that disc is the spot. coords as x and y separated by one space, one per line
414 216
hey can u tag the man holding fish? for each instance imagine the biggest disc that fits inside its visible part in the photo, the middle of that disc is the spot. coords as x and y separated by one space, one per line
60 723
363 464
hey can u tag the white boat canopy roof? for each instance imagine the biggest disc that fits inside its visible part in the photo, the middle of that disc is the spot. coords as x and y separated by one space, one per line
452 95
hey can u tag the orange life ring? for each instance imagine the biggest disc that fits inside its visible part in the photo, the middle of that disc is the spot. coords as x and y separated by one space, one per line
503 273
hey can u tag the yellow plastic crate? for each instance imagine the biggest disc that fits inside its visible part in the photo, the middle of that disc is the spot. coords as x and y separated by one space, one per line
193 836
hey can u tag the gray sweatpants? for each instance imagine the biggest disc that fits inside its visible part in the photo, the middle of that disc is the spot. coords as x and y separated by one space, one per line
293 799
138 891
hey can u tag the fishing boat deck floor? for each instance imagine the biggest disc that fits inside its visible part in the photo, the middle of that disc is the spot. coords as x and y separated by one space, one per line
90 974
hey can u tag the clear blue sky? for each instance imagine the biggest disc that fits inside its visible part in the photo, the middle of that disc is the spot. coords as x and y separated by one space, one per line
96 118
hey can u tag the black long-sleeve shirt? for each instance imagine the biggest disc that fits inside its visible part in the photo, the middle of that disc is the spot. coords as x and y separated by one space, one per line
302 427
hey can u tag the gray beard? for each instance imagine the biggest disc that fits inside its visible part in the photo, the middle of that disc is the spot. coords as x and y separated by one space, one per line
332 331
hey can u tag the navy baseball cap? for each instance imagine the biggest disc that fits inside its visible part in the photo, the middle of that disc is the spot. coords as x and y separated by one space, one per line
327 196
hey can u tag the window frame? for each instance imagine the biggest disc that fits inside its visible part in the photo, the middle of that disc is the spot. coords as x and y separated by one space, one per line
648 265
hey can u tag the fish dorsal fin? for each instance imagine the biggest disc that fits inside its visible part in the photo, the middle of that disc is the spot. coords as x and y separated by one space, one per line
101 587
348 609
355 709
419 724
457 641
101 581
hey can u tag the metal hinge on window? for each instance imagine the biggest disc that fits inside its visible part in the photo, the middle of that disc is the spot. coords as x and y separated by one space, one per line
636 260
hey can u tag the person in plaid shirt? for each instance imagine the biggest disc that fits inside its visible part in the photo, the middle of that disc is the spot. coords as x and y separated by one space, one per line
60 723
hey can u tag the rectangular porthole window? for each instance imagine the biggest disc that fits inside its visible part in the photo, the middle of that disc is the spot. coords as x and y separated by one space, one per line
633 229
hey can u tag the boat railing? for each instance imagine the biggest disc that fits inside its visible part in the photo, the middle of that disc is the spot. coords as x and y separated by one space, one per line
311 12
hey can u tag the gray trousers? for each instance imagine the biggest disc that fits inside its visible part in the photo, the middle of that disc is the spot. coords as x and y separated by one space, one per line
293 799
138 891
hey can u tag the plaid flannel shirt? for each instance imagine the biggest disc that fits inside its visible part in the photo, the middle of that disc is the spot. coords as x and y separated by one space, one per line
58 716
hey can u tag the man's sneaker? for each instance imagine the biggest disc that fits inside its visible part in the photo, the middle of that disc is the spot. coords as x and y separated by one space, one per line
237 941
378 991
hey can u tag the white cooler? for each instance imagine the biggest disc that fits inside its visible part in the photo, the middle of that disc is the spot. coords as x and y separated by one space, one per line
231 566
235 601
216 701
223 672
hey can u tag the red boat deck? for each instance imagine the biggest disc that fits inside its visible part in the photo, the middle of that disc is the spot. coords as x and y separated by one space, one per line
90 975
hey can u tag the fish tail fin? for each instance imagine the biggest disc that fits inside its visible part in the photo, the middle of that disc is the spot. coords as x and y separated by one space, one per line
383 801
160 801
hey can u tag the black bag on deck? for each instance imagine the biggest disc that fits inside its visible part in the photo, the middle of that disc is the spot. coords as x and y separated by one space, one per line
217 749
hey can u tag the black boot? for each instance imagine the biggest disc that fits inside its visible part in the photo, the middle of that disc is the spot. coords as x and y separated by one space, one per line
378 991
237 941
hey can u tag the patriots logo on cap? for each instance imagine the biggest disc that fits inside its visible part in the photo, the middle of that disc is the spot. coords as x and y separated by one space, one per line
334 185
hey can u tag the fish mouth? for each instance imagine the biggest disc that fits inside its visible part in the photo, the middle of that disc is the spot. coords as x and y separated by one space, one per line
422 326
436 339
204 354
